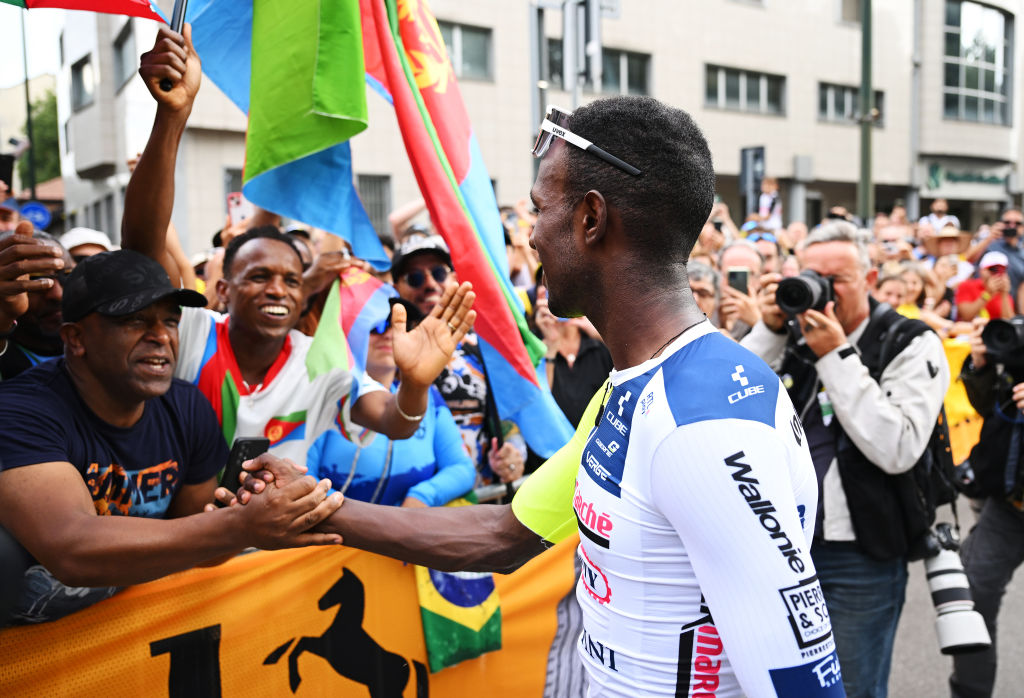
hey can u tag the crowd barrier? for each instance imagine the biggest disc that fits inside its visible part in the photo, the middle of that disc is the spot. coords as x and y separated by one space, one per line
964 422
309 622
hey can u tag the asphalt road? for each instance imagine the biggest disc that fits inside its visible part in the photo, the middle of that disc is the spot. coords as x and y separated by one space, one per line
920 670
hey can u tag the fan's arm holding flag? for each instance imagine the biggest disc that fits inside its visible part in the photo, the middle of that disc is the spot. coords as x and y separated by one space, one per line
149 197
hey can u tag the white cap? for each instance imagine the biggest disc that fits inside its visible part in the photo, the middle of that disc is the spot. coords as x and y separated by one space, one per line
994 259
85 236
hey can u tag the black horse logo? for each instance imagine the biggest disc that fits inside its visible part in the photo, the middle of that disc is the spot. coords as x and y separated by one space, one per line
350 650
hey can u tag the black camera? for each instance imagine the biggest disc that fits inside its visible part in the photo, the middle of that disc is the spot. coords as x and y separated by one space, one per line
807 290
1004 342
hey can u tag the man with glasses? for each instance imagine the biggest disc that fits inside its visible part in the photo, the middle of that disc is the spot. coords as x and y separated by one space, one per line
32 272
422 271
688 479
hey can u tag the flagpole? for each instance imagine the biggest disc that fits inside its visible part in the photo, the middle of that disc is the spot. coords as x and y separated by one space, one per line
177 24
28 116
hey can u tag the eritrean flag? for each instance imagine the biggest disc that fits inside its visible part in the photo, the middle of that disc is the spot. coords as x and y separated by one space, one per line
406 60
135 8
296 68
461 613
299 70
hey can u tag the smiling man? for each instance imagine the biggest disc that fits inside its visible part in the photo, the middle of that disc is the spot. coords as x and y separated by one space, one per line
262 376
689 480
96 445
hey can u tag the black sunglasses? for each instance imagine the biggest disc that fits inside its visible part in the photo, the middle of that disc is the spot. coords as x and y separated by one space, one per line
418 277
555 124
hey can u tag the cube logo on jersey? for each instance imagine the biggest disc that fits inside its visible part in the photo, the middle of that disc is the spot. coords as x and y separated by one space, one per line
820 678
808 614
605 454
594 580
596 525
746 390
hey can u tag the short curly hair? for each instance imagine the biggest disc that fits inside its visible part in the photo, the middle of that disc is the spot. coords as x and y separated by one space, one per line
666 206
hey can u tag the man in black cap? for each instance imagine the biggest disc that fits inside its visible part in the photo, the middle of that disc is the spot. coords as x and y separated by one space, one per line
107 432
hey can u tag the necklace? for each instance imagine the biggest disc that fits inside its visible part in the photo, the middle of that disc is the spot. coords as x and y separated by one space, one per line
675 337
608 385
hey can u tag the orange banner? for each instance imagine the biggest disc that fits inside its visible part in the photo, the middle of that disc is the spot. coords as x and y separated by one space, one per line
308 622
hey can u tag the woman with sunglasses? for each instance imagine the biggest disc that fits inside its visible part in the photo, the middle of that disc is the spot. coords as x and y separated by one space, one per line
429 468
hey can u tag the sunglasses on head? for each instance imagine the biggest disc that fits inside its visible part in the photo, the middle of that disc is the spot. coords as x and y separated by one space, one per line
418 277
555 125
767 237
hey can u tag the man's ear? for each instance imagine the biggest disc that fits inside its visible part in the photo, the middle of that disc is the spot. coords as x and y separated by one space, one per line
71 335
593 217
222 292
872 278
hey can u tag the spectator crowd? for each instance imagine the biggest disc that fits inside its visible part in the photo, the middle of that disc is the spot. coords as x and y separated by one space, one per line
126 374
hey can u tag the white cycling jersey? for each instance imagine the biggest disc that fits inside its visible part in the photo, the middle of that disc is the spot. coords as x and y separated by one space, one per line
695 499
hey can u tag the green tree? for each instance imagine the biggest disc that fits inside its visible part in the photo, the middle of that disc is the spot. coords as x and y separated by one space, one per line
45 141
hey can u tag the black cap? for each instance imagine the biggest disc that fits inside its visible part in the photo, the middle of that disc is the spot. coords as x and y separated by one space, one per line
416 245
120 283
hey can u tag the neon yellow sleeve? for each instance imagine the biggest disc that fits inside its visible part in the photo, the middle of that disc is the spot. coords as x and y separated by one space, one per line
544 503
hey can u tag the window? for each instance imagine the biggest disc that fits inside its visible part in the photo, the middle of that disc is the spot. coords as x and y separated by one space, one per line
469 49
83 82
744 90
622 72
375 192
977 65
60 47
67 136
125 59
841 103
849 11
97 217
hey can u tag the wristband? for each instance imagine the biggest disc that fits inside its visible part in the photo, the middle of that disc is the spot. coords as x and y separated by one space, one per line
986 296
408 417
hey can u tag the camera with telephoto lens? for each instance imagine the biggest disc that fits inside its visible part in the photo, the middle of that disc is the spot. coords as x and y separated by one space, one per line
1004 344
807 290
958 626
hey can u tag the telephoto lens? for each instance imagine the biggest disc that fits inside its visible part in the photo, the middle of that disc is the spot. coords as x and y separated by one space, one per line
958 626
807 290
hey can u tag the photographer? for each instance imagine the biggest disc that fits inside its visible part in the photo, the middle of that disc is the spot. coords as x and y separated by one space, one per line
868 416
994 381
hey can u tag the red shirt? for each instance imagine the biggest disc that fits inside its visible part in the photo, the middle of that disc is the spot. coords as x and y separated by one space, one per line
971 290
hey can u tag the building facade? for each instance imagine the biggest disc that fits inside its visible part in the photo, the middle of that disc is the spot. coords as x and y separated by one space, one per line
780 74
105 115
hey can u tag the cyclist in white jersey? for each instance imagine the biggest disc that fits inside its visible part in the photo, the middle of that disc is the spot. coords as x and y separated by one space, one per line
688 479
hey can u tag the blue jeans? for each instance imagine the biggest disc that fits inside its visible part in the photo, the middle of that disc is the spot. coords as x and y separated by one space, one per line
991 553
865 598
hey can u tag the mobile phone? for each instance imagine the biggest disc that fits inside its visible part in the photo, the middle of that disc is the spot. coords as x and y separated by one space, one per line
239 208
738 278
244 448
